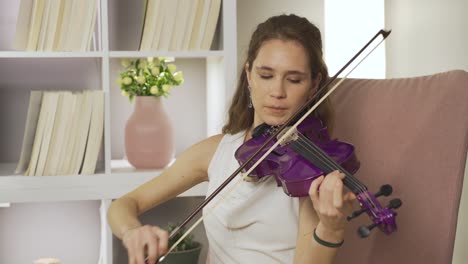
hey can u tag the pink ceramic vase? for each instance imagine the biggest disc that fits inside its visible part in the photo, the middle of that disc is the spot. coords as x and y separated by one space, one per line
149 140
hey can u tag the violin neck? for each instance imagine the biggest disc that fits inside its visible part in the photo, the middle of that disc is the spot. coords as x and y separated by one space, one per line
326 164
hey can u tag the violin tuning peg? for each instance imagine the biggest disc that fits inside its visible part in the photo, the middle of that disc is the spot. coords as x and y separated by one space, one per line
394 204
364 231
356 214
385 190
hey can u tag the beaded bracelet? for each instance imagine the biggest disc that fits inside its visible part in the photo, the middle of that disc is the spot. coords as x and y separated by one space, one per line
325 243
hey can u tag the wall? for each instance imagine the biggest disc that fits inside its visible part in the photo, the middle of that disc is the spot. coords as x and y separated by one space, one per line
428 36
69 231
251 13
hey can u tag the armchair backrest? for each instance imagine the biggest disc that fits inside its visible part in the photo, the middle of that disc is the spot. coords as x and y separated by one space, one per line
411 133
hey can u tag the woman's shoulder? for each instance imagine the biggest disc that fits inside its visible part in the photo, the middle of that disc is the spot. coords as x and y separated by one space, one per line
201 153
210 143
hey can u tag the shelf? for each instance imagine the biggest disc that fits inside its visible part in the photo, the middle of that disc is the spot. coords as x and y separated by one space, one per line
50 54
22 189
176 54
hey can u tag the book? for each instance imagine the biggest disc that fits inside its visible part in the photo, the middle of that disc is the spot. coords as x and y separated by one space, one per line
61 124
96 128
211 23
51 113
149 27
82 131
35 24
183 9
158 28
65 166
199 24
53 26
190 24
32 118
170 11
43 27
23 23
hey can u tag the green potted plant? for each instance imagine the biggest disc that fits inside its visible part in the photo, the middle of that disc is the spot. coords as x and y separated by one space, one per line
186 252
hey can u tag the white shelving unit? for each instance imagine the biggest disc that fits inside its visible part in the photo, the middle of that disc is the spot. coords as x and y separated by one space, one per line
59 70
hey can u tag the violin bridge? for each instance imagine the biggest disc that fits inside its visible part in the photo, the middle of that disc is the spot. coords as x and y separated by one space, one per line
292 135
248 178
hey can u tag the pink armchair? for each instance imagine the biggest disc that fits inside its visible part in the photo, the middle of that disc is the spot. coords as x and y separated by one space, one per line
411 133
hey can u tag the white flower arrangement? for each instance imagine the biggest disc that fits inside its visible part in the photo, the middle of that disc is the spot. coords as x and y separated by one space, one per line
149 77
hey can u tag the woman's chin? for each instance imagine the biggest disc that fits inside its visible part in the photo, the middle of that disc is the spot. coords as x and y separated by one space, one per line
275 121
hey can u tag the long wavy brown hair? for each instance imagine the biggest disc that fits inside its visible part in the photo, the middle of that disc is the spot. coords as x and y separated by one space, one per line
288 28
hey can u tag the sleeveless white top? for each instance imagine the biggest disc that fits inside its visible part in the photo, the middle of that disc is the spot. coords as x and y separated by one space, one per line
256 222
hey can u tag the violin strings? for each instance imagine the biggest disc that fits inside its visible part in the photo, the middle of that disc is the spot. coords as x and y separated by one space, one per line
329 162
326 159
333 165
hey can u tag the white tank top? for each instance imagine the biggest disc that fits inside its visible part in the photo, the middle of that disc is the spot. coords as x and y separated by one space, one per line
256 222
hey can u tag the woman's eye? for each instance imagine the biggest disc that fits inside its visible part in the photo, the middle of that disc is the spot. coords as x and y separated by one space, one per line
265 76
295 80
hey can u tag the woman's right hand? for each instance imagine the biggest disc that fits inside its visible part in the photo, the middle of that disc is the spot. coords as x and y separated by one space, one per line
145 240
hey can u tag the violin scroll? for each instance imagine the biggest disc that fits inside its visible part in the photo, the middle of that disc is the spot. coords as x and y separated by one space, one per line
382 217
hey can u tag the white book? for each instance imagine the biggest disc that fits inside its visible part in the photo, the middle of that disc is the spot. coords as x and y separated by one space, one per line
51 109
65 166
44 24
82 129
211 23
87 24
39 135
23 22
96 129
197 39
62 119
64 25
168 25
93 25
149 27
158 28
32 119
77 23
35 25
190 24
183 9
56 8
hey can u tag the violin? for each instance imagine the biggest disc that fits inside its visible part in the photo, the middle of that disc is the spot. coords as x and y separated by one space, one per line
307 154
293 164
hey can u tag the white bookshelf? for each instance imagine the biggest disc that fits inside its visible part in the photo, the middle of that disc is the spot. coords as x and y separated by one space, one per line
214 73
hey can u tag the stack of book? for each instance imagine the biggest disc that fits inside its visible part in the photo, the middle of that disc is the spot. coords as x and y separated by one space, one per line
63 133
55 25
179 24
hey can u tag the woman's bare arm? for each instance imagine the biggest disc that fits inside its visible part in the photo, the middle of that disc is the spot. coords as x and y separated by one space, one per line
188 170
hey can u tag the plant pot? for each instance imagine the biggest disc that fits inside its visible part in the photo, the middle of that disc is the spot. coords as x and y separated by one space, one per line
184 257
149 137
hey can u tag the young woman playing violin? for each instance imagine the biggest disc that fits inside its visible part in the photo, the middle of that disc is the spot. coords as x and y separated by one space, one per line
256 222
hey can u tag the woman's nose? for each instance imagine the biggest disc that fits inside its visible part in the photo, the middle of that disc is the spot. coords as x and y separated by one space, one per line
277 90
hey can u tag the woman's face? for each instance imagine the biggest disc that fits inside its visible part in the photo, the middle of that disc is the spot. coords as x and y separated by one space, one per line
280 81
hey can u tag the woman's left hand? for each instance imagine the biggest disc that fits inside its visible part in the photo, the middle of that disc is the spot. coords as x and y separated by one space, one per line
330 204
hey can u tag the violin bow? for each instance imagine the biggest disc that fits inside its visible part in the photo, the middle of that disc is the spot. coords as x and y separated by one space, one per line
284 136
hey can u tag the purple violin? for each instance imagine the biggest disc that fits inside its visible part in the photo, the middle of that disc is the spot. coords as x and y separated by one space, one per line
306 155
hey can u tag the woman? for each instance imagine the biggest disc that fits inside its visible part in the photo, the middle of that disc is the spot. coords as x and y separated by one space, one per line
256 222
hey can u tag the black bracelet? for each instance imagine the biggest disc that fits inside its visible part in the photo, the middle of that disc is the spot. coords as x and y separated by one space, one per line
325 243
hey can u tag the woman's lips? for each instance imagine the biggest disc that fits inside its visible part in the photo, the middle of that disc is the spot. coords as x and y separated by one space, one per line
275 109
